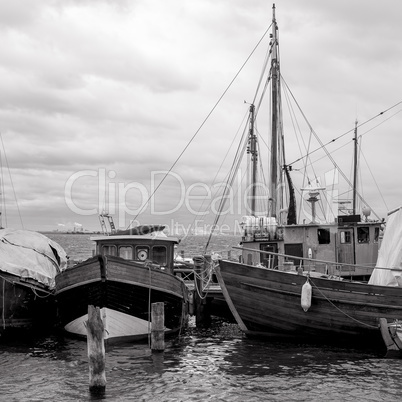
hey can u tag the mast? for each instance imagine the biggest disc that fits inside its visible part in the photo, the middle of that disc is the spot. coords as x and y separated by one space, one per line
254 157
274 128
355 171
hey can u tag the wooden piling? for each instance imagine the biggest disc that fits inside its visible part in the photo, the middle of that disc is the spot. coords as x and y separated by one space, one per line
158 326
96 351
202 316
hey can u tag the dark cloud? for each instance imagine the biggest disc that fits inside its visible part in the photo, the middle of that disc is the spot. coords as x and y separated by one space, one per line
124 86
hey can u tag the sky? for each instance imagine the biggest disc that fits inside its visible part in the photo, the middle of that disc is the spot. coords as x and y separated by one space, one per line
99 98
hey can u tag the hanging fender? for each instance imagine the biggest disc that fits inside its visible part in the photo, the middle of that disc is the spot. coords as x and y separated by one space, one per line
306 295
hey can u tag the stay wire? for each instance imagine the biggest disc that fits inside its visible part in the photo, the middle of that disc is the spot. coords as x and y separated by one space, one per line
11 181
202 123
340 136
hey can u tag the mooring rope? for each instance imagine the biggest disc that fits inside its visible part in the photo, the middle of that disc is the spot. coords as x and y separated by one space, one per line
207 270
38 295
30 286
342 312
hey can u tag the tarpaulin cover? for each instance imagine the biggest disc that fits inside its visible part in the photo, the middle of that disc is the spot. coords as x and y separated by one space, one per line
390 254
31 255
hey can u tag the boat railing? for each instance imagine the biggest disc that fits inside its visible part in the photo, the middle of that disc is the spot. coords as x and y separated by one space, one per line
200 271
287 263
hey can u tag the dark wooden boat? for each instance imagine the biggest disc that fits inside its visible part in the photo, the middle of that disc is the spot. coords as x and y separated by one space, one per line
307 304
29 262
268 302
128 273
298 279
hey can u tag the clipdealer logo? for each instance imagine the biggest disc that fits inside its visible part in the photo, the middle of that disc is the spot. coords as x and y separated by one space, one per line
92 192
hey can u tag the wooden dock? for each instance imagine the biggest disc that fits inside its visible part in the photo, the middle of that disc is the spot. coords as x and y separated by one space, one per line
205 294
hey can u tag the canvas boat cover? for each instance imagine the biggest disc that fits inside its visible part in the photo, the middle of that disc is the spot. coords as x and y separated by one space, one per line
390 254
31 255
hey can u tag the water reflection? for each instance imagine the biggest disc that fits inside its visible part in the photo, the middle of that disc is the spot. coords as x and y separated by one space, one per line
215 364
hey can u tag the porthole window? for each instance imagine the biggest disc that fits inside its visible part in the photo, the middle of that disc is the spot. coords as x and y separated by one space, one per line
142 253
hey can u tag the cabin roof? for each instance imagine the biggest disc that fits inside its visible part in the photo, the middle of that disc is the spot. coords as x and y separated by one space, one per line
151 237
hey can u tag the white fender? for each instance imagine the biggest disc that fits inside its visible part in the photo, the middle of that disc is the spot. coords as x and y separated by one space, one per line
306 296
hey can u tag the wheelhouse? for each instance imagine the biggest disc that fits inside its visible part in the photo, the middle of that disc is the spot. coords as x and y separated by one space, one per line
139 248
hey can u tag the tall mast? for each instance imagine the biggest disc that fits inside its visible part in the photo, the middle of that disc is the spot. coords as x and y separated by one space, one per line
274 128
355 171
254 157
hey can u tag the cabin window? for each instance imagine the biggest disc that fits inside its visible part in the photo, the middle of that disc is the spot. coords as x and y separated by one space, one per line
269 260
296 250
363 235
159 255
109 250
126 252
376 234
324 236
346 237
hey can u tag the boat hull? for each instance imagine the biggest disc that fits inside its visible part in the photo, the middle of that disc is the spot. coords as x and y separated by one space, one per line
124 290
24 305
268 302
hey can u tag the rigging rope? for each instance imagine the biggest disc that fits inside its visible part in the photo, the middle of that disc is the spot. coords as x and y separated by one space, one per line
347 315
375 182
11 181
342 135
323 146
220 167
202 123
208 271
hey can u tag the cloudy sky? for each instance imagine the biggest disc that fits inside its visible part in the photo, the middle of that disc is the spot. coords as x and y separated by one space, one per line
98 97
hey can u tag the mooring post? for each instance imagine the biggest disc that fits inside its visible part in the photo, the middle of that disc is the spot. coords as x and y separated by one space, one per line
96 351
158 326
198 265
207 280
200 302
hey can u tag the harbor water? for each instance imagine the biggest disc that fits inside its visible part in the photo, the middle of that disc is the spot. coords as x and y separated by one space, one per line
214 364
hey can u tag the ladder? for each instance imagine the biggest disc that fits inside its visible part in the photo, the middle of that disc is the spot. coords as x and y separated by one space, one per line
104 227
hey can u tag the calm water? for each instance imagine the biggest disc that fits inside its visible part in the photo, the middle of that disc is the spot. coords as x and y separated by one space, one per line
218 364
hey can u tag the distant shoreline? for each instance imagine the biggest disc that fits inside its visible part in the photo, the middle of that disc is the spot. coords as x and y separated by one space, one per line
72 233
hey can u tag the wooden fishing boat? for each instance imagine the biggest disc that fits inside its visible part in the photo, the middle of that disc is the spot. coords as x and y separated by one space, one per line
29 262
297 278
129 272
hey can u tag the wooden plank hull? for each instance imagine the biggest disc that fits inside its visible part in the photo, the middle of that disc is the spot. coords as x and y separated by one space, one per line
125 291
24 305
268 301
